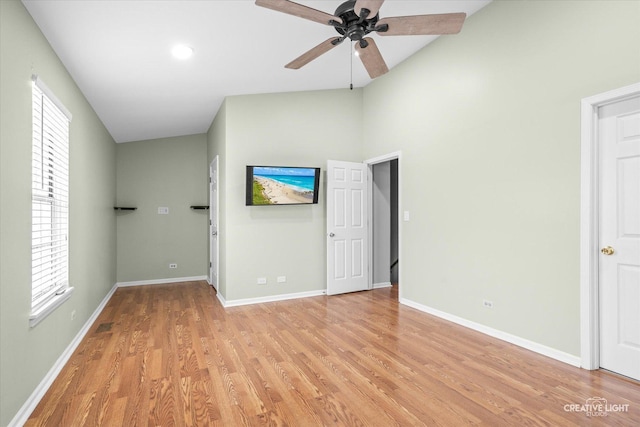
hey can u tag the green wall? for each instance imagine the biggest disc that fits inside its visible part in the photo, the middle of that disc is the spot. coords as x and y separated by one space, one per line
286 129
488 122
172 173
27 354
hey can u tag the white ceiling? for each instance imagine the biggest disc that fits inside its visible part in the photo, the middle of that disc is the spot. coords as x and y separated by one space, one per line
118 52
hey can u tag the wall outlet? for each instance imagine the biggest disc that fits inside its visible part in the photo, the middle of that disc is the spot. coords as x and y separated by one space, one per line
281 279
262 280
173 265
487 303
163 211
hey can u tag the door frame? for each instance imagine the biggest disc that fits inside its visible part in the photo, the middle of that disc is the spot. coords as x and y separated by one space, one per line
589 221
214 211
396 155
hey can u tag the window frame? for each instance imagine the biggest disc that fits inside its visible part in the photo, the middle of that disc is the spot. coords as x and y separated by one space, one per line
49 203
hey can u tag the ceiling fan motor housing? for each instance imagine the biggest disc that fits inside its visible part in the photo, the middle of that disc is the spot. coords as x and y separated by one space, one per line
353 26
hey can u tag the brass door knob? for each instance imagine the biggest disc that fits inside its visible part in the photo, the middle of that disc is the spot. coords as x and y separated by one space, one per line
607 251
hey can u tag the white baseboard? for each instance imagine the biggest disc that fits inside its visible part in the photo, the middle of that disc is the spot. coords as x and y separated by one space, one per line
221 299
282 297
504 336
381 285
27 408
160 281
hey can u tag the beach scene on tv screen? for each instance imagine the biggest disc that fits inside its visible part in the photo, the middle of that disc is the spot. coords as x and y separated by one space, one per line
282 185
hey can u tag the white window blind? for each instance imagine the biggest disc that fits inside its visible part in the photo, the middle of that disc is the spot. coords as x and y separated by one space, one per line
49 197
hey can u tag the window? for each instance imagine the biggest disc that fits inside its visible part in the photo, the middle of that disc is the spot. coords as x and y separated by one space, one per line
49 203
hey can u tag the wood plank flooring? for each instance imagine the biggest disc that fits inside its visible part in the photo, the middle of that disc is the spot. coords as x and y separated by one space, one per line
170 355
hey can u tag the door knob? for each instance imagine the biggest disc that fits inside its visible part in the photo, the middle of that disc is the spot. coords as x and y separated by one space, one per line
607 251
331 235
214 233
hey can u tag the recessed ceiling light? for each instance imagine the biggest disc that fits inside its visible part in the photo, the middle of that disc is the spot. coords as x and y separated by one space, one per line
182 51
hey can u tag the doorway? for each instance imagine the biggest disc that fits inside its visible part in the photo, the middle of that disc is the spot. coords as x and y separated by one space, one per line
352 239
214 247
609 258
384 221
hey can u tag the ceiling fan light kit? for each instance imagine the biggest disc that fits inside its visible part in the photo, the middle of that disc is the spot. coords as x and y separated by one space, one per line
355 19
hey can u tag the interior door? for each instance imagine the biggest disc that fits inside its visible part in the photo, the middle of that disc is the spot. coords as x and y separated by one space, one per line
213 223
619 263
347 245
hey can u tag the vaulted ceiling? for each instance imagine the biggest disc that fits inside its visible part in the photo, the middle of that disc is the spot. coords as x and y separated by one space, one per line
119 54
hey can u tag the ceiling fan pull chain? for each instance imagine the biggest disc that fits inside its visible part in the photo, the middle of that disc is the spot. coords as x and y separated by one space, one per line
351 53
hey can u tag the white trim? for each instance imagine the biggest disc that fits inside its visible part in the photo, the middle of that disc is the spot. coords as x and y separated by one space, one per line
273 298
221 299
495 333
44 88
589 208
384 158
30 404
369 190
41 313
161 281
381 285
396 155
214 212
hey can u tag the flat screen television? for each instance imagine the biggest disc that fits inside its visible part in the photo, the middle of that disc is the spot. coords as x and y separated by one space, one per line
282 185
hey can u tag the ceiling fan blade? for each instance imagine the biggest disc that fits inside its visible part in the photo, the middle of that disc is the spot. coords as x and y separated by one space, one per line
371 58
301 11
446 23
312 54
372 5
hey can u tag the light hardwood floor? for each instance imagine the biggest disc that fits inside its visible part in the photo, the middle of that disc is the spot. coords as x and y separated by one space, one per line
170 355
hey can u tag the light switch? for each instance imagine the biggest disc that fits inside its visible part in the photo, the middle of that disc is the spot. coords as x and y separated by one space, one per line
163 211
406 215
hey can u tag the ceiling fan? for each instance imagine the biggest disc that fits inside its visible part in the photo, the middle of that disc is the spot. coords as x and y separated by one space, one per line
354 19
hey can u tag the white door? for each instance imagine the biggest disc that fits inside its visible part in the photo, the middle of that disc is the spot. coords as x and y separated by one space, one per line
619 264
213 223
347 246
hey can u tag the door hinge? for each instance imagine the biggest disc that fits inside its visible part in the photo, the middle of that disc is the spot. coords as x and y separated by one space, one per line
209 265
